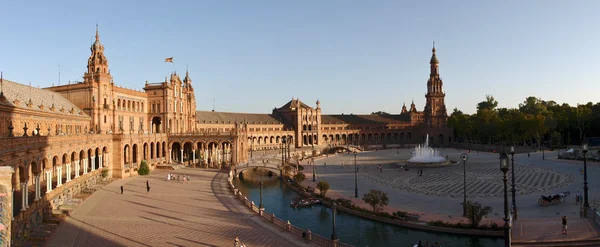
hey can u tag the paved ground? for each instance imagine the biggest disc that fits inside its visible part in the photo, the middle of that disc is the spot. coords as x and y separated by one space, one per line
202 213
550 229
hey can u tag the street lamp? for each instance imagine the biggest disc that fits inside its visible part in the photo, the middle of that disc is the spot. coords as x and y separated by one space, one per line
504 169
464 157
282 156
333 235
586 205
261 187
355 177
514 200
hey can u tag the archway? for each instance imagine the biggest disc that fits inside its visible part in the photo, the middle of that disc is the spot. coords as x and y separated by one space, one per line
176 152
134 154
187 152
126 155
145 152
156 125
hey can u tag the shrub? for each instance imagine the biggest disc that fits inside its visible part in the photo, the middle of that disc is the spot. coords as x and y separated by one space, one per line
399 214
299 177
144 169
323 187
344 203
104 173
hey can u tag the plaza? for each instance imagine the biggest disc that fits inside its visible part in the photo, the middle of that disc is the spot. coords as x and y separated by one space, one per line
200 213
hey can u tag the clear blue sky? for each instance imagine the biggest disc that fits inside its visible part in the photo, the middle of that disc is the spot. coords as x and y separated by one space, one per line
355 56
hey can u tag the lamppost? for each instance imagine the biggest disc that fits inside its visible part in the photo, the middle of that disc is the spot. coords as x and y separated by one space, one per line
282 156
333 235
261 187
355 177
464 157
586 205
313 163
543 154
514 200
504 169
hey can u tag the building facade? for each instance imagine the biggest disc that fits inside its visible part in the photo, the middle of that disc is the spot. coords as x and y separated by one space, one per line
59 141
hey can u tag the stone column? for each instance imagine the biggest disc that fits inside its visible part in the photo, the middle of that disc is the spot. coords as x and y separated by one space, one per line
93 163
58 176
193 156
23 196
100 162
181 158
68 172
48 181
170 155
37 187
85 166
77 168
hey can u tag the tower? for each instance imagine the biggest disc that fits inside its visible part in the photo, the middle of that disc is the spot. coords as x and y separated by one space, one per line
435 108
99 104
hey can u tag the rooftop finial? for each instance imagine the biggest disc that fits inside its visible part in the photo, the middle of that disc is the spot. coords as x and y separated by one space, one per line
433 50
97 36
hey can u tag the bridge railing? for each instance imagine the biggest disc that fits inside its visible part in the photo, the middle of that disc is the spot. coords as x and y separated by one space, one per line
286 225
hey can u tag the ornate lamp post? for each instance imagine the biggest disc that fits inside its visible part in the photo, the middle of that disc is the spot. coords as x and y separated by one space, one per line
514 200
282 156
464 157
586 205
261 187
355 177
333 235
504 169
313 162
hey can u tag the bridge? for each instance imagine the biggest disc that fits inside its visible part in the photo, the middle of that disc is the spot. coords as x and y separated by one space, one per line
267 166
344 148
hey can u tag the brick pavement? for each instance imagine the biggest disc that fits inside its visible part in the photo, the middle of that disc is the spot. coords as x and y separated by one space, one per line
550 230
201 213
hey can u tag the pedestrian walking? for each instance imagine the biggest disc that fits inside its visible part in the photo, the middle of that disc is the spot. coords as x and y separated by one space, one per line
147 187
577 197
564 225
236 241
121 189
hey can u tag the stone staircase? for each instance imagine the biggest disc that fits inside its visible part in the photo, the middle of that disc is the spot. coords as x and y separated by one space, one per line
173 166
40 235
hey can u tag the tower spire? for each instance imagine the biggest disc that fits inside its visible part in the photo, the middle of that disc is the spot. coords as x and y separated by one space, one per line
97 36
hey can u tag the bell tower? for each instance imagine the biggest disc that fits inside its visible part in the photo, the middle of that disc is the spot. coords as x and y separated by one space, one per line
435 108
100 88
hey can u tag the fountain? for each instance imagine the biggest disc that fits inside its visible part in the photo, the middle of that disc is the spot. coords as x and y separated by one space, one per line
426 155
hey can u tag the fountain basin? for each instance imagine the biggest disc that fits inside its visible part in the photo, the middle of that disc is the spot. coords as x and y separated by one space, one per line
443 163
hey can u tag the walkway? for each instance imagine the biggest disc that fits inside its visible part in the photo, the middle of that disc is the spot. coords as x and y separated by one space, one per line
202 213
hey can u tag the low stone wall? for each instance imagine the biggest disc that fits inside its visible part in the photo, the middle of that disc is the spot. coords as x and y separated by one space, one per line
287 226
491 148
404 223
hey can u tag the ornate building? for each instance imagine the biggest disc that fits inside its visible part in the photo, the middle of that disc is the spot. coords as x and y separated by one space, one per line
60 141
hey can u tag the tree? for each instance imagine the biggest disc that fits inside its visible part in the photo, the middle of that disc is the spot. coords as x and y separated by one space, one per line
377 199
380 113
582 115
144 169
476 212
323 187
299 177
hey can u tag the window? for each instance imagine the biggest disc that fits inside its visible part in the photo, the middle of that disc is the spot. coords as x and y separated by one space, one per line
104 118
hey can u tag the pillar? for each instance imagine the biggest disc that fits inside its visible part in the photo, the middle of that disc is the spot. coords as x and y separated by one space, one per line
193 156
77 168
93 163
68 172
48 181
100 162
170 155
85 165
36 180
58 176
23 196
181 158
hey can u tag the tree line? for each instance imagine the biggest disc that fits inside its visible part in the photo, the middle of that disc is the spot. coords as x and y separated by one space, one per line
535 122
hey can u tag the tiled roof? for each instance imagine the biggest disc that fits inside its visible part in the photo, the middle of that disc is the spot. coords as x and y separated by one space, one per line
37 99
364 119
231 117
293 103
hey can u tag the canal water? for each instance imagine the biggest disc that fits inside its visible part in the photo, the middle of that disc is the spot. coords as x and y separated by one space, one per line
349 228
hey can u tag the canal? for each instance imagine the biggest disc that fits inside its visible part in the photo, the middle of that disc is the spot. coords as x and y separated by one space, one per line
349 228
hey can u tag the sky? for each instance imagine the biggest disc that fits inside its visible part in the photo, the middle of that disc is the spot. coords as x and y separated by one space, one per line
354 56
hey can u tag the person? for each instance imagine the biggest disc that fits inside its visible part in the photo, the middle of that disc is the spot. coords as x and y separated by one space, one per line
121 189
564 225
236 241
577 197
147 187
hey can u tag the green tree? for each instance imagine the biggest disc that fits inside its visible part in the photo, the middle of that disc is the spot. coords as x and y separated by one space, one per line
299 177
582 115
144 169
323 187
380 113
476 212
376 199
